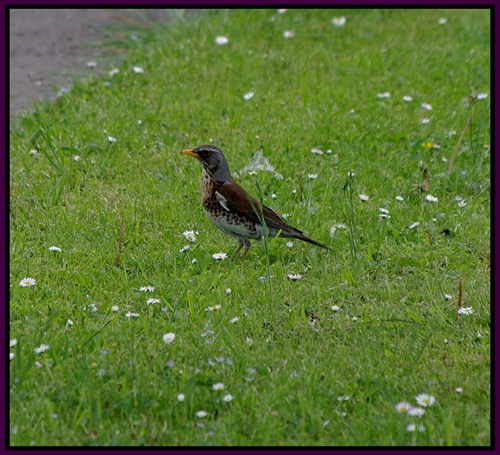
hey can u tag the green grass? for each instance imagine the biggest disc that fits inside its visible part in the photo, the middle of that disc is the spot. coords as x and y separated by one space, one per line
105 379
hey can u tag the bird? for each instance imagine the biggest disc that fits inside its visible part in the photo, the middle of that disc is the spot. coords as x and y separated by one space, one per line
227 205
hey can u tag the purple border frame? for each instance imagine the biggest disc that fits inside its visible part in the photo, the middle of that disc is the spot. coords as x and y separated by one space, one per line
4 227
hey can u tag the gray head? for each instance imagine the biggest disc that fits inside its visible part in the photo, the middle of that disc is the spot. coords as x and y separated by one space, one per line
213 161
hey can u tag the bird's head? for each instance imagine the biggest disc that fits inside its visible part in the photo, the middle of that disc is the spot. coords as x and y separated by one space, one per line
213 161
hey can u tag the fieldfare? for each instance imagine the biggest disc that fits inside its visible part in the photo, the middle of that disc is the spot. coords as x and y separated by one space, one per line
231 209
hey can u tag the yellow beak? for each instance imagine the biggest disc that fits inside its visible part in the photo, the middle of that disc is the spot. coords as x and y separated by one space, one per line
190 153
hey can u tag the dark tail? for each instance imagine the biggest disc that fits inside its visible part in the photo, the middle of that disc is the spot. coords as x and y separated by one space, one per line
308 240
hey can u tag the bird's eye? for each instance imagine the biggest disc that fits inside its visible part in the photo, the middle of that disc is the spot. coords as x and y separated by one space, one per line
204 153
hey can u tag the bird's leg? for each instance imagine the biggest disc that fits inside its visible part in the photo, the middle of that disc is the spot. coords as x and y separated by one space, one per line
237 251
247 247
244 242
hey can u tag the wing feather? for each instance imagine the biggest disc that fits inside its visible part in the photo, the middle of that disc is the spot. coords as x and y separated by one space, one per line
232 197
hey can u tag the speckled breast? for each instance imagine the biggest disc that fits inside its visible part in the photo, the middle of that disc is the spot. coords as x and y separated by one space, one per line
232 223
209 201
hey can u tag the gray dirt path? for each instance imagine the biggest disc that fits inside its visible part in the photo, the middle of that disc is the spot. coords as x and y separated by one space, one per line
48 47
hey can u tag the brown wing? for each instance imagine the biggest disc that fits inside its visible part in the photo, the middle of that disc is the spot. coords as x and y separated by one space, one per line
233 197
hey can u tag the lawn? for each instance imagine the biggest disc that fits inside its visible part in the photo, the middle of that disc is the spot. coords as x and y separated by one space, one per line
375 132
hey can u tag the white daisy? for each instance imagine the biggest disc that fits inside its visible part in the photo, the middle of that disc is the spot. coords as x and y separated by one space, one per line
431 198
190 235
147 288
248 96
425 400
288 34
294 276
219 256
364 197
221 40
42 348
407 98
26 282
213 308
411 427
383 95
416 412
168 338
339 21
137 70
55 248
403 407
